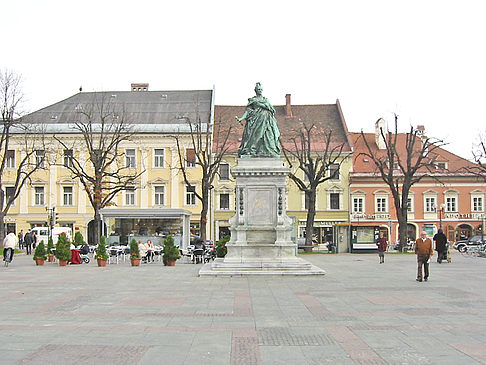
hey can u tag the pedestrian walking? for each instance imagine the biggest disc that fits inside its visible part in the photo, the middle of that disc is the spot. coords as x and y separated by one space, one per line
28 242
423 250
382 244
9 243
440 240
21 239
34 239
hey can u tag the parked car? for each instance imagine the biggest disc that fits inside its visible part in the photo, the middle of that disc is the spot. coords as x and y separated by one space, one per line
462 245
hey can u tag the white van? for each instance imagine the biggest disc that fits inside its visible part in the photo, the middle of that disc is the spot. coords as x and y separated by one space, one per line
43 233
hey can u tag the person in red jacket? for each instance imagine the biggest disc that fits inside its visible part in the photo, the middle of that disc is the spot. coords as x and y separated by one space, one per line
423 250
382 244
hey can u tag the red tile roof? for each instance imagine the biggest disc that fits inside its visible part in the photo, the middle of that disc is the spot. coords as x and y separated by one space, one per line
455 163
324 116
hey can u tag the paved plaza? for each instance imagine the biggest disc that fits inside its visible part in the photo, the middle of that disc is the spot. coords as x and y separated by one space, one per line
360 312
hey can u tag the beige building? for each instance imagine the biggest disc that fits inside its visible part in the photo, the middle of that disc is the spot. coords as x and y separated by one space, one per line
158 202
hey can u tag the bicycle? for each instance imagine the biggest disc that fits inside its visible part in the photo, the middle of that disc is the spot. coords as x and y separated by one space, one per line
478 250
7 257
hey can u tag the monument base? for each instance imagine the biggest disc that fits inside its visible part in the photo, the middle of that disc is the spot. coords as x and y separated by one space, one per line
261 231
295 267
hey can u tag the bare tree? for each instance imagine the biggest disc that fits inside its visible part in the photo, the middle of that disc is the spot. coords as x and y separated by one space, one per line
479 157
104 126
207 156
18 143
403 163
315 152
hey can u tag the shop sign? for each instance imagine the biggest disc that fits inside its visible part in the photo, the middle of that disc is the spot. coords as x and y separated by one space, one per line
379 216
319 223
358 216
464 216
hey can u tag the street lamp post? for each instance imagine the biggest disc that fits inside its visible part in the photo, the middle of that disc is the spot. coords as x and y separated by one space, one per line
441 210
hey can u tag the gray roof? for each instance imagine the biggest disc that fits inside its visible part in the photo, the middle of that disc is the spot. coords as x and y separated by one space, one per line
141 107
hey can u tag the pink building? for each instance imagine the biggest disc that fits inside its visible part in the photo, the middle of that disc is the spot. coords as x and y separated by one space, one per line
449 197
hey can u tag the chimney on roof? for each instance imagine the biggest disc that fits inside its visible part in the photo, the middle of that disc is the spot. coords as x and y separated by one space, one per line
140 87
288 108
420 130
380 131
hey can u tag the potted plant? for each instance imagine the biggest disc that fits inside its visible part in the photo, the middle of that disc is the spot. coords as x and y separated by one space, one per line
171 252
221 248
63 250
101 255
40 254
50 247
78 239
134 253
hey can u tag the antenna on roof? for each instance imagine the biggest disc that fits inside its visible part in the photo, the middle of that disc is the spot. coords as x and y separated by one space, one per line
80 89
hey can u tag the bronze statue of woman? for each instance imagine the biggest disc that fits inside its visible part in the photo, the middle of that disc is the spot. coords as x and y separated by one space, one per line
261 134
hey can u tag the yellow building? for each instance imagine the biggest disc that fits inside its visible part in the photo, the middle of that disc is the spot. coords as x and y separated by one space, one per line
157 203
332 218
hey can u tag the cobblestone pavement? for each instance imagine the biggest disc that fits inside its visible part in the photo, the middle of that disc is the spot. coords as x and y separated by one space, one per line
360 312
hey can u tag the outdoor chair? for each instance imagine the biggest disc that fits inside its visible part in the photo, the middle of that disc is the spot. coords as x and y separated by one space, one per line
198 255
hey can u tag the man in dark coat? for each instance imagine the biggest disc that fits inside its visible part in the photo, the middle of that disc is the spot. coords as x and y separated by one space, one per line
440 240
28 240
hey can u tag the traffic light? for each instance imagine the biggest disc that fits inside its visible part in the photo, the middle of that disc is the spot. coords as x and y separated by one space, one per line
56 218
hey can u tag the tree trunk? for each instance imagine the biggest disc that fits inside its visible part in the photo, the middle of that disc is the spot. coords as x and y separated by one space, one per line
203 220
310 197
97 225
402 229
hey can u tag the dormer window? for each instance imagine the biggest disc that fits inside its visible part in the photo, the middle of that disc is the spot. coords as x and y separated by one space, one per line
441 165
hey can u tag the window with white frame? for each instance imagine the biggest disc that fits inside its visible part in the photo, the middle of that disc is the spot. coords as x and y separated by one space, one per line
334 171
159 192
130 158
410 204
159 158
451 204
334 201
68 195
9 193
224 173
68 158
477 204
130 196
430 204
224 200
39 195
190 157
190 195
381 204
10 164
40 156
358 204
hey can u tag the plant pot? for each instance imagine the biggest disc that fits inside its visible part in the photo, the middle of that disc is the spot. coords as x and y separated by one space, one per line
50 258
63 262
135 262
39 261
171 263
101 262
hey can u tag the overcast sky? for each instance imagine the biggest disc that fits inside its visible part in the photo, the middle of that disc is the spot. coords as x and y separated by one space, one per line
424 60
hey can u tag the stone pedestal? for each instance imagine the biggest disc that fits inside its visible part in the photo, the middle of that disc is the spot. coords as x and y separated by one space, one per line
260 230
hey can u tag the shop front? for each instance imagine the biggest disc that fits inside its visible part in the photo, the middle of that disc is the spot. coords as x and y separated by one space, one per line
123 225
327 231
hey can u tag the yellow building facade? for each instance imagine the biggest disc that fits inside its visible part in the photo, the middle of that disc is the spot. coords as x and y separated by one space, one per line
159 193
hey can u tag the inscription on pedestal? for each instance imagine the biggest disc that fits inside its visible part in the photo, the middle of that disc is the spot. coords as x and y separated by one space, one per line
260 209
